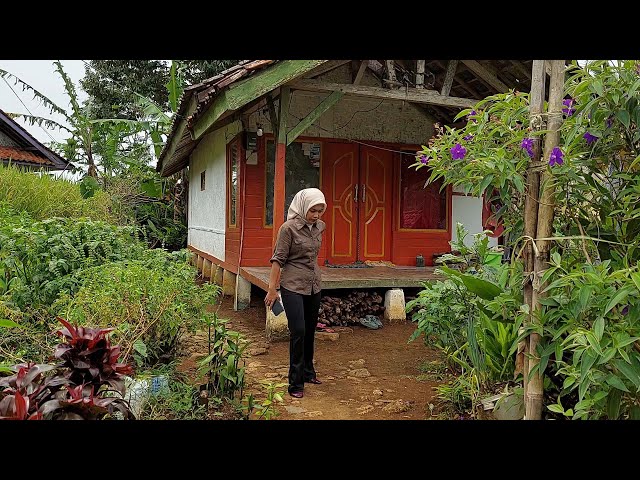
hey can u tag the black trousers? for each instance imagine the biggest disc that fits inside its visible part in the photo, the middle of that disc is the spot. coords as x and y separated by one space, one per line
302 316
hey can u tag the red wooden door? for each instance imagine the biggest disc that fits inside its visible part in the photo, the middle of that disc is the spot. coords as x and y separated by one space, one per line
357 183
340 176
375 204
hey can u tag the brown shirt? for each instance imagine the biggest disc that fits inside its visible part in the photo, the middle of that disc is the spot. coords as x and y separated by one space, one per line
297 253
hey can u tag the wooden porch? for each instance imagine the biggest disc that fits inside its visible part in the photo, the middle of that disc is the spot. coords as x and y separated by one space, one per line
374 277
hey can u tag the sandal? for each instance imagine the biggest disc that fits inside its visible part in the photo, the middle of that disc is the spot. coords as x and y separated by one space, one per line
315 381
298 394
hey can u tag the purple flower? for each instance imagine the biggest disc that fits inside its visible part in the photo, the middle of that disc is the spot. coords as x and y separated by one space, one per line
609 122
568 102
527 144
424 159
589 138
467 137
458 152
625 310
556 157
472 113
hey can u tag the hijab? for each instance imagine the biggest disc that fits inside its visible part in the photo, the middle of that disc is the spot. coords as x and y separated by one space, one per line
303 201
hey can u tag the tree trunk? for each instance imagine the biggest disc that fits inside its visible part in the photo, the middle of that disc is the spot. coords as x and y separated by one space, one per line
533 399
536 107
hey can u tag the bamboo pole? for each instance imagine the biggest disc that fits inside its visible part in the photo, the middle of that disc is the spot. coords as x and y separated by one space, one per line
536 107
533 400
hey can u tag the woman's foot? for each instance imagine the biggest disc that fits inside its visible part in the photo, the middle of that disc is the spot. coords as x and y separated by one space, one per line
297 394
315 381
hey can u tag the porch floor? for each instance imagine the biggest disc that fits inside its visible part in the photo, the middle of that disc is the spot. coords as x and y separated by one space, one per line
373 277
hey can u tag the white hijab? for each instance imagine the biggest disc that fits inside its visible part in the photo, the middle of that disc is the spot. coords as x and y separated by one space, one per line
303 201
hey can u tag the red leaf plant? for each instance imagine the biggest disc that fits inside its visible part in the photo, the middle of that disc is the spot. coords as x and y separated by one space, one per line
80 386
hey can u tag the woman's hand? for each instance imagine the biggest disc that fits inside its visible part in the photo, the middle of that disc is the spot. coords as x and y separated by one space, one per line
272 296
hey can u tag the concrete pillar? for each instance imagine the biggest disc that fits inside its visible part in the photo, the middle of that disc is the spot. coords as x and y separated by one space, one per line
243 293
216 275
228 283
394 306
206 269
276 326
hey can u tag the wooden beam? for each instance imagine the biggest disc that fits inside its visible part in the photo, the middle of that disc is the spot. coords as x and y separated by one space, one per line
521 70
273 117
279 170
415 95
391 70
325 67
361 69
239 94
177 135
420 74
306 122
448 77
485 75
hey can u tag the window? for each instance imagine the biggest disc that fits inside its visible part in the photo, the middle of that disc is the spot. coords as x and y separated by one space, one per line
202 181
234 155
421 208
302 170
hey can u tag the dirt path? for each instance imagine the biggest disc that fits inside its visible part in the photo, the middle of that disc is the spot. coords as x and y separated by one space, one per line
366 374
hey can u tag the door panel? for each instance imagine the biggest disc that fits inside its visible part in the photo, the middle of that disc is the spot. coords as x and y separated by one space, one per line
376 170
340 172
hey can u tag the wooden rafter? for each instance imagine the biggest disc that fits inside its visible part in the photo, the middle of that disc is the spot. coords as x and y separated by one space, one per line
325 67
483 73
448 77
415 95
420 74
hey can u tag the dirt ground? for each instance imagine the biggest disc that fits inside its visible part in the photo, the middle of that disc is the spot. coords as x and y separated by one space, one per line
366 374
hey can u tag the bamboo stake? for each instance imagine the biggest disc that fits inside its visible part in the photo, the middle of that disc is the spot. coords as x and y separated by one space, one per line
533 400
536 107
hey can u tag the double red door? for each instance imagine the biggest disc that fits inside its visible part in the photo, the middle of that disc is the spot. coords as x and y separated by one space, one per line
357 182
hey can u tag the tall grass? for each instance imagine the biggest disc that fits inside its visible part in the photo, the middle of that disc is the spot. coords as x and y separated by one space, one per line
44 197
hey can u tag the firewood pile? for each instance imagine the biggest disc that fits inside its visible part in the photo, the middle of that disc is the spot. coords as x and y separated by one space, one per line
349 309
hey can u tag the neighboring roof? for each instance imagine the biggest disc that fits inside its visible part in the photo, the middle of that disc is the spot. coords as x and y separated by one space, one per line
27 150
473 79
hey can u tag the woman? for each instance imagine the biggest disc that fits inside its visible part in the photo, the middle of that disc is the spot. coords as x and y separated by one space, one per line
294 266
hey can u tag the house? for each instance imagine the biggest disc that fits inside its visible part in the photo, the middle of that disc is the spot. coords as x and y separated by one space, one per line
260 131
18 147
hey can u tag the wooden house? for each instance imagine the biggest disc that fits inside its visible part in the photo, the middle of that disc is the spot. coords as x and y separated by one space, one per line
18 147
257 133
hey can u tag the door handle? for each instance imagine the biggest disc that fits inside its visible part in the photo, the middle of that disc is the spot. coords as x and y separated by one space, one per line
364 192
355 193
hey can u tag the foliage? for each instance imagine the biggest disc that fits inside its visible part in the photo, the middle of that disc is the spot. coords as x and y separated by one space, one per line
42 197
151 302
266 408
38 260
221 367
80 386
589 345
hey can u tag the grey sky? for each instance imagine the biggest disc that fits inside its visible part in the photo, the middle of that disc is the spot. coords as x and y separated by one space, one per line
42 76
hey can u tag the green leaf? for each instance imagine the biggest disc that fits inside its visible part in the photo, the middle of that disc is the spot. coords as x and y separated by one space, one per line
613 404
615 382
621 295
593 342
588 359
482 288
5 322
636 277
623 116
599 328
556 408
140 347
485 183
629 372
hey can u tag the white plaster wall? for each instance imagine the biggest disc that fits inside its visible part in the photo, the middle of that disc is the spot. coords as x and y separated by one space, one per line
207 212
468 211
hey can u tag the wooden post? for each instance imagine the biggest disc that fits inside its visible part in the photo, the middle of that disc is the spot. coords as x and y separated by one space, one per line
279 172
536 106
533 400
419 73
